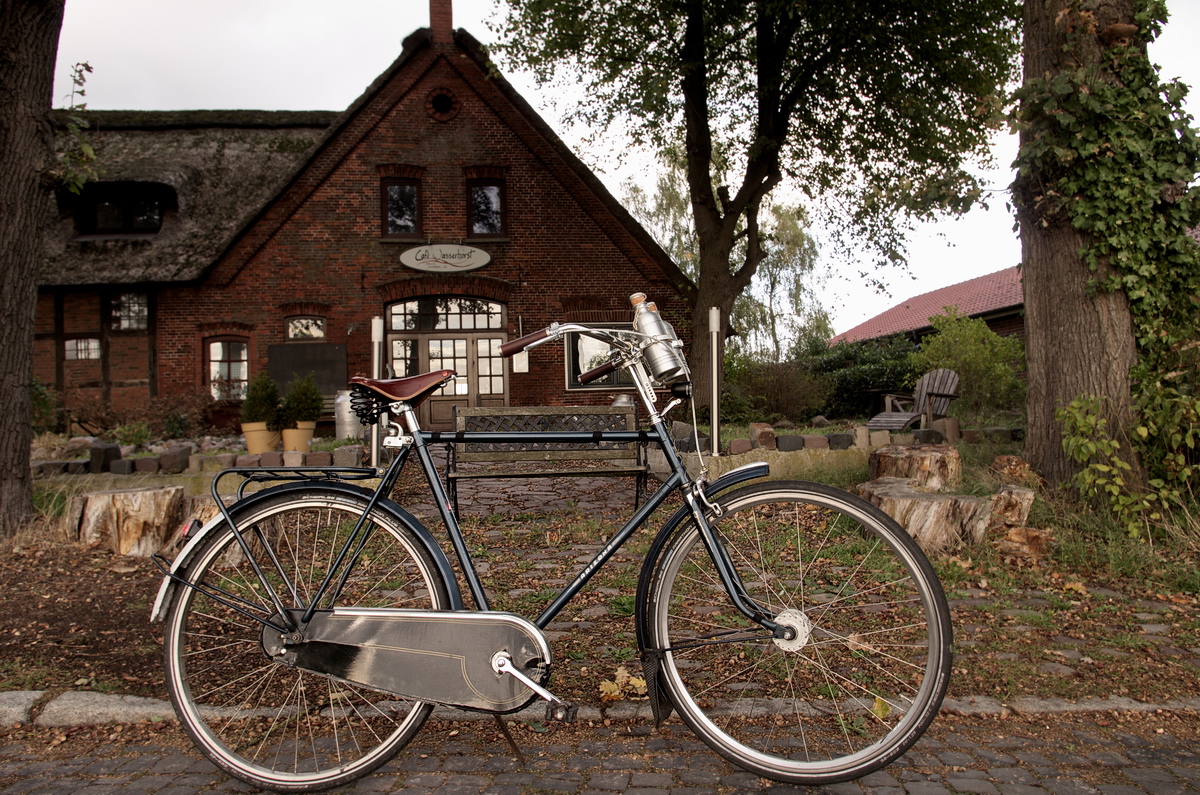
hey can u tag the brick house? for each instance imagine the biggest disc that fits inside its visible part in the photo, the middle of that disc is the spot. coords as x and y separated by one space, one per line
996 298
220 244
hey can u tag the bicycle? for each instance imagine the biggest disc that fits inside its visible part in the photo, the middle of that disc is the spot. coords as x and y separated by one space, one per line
312 626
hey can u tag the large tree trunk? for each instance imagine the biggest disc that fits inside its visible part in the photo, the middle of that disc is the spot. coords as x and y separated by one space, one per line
28 46
1079 341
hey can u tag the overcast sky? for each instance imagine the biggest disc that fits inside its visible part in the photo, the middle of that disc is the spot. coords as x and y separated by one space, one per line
319 55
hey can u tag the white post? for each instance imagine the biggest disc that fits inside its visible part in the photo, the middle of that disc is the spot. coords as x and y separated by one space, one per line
377 360
714 335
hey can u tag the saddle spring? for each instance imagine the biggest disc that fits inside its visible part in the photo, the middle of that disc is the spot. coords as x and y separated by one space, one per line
367 405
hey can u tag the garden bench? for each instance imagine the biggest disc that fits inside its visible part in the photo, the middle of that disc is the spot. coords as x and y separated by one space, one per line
472 460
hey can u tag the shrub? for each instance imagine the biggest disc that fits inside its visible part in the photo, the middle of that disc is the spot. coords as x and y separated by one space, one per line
854 373
769 391
179 416
262 402
302 403
132 433
987 364
47 405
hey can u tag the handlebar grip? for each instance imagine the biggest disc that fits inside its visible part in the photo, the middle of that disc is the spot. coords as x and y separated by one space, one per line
516 346
597 372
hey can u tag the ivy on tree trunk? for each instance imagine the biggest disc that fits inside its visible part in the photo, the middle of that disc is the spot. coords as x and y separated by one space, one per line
1111 273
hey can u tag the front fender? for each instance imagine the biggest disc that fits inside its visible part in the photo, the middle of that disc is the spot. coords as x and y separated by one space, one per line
166 591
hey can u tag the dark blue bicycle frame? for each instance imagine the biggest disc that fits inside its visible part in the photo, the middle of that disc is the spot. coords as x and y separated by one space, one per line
420 443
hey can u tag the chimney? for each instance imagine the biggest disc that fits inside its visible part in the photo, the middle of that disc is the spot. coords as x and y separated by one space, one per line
441 20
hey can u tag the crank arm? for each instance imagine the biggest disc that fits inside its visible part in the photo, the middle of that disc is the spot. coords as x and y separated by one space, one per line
556 709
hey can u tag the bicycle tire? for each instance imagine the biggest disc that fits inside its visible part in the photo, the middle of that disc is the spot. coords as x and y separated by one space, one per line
269 725
872 660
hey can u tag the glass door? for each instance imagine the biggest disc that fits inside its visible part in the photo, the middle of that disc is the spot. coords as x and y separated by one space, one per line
447 333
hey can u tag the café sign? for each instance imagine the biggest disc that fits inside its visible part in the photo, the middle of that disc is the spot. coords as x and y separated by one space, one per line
445 258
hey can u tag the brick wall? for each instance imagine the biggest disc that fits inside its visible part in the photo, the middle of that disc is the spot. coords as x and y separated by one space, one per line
321 243
319 246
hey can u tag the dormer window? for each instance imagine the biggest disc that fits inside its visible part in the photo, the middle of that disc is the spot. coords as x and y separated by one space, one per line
121 208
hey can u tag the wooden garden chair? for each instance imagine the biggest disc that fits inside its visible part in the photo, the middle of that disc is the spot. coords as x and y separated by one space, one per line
929 401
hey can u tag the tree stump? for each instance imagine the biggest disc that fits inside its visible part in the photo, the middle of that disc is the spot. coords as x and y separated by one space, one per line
943 522
938 522
932 466
133 522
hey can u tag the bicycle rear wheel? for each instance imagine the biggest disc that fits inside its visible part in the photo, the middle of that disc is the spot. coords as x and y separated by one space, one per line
870 663
270 725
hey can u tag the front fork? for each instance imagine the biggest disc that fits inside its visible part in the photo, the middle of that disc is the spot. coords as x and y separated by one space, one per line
700 505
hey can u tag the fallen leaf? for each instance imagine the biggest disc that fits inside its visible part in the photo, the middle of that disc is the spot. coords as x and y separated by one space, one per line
609 691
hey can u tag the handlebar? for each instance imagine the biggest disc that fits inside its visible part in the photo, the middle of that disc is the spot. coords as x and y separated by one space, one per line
513 347
597 372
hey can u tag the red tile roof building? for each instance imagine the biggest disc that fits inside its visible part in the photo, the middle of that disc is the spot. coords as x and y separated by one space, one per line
997 298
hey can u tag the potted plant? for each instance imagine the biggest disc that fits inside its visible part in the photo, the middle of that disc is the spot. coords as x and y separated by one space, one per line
302 407
260 415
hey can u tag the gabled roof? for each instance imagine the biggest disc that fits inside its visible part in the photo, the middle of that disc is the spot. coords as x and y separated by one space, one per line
984 295
237 173
354 124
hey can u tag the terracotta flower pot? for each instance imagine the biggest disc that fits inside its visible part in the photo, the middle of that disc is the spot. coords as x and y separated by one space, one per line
300 437
259 439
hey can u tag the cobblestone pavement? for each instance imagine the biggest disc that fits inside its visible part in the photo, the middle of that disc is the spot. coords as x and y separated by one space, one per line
1094 753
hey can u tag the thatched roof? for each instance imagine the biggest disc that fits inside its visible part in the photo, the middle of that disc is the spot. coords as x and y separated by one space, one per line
229 168
222 165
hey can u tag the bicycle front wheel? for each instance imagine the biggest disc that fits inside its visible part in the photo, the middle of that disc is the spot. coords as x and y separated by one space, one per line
270 725
870 661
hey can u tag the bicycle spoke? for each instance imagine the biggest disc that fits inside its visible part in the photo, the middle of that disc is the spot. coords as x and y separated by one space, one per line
265 722
850 686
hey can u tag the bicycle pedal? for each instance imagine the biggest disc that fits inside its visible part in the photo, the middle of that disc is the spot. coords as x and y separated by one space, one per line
562 712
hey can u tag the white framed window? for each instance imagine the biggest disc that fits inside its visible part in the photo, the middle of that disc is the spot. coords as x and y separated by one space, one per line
227 367
82 348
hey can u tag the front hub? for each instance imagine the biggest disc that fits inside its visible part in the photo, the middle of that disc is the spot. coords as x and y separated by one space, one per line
801 627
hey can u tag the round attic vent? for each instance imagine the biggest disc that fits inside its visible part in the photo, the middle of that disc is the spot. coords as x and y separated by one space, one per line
441 104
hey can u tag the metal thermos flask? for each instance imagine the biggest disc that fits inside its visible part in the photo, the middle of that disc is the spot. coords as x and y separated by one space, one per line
666 363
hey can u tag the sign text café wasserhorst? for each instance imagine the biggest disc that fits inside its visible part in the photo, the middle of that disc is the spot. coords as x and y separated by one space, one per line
445 258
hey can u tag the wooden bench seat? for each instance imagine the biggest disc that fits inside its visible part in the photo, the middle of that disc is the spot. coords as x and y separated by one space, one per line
472 460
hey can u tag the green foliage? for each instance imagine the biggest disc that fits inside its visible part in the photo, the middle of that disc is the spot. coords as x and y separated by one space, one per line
868 102
132 433
856 372
1105 474
1116 157
47 408
302 403
987 364
870 108
780 303
764 391
262 401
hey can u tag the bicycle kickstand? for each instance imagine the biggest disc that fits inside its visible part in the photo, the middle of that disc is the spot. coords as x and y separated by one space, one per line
556 708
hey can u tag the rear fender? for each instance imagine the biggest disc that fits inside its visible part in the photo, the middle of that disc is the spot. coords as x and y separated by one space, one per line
166 591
